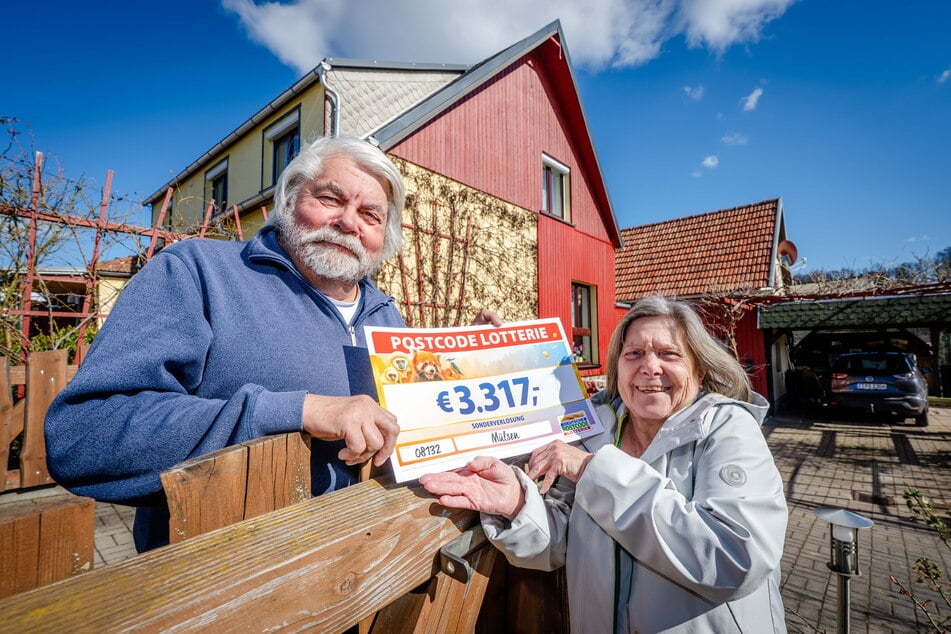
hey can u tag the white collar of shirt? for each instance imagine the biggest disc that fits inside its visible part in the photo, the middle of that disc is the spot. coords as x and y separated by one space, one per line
347 309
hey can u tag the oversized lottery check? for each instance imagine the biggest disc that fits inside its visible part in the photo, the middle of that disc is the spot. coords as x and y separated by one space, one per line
480 390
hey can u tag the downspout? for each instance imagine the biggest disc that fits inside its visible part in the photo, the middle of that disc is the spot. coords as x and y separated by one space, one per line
322 70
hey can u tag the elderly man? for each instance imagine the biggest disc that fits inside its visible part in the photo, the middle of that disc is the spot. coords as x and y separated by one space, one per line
214 343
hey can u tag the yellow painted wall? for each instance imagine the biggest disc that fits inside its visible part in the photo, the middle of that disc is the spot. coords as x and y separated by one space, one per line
108 290
463 250
249 164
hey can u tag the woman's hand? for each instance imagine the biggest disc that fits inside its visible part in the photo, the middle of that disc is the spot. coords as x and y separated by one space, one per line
555 459
486 484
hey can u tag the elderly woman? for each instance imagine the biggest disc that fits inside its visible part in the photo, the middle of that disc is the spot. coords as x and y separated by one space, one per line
673 519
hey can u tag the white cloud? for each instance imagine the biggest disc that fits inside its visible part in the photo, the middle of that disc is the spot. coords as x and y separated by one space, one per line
606 33
694 92
711 162
943 77
734 138
299 34
917 238
751 100
718 24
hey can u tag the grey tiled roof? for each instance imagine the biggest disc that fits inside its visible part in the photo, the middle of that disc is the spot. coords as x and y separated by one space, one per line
370 97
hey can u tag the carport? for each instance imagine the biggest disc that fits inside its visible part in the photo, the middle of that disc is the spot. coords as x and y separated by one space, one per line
886 321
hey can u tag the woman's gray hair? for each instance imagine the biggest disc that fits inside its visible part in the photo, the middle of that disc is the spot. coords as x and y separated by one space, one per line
719 371
309 163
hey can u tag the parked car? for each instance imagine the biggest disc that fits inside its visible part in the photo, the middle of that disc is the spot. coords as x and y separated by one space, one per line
879 383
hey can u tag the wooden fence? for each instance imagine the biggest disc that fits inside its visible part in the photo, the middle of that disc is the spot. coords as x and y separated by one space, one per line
326 563
53 539
251 550
371 554
44 376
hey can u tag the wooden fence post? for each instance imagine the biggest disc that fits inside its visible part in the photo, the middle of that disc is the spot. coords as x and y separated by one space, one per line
6 420
45 542
236 483
46 377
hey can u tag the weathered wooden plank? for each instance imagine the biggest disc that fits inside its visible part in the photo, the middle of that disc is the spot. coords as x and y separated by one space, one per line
18 373
6 413
531 596
444 604
206 493
325 563
17 417
14 424
278 473
18 413
67 539
46 377
44 542
455 605
19 549
237 482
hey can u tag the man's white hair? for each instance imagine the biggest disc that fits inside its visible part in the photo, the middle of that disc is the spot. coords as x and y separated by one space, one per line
309 163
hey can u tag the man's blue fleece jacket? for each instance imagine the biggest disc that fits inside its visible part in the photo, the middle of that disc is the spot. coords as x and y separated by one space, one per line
211 344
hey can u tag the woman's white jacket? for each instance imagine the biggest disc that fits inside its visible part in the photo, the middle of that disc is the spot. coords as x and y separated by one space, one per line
699 519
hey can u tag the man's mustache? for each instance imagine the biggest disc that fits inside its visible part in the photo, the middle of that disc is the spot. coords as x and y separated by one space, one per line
332 236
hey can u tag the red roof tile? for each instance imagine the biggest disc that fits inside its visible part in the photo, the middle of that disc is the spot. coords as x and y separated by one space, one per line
717 252
129 264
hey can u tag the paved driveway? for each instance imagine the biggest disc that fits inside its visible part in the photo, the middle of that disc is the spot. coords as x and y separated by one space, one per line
865 467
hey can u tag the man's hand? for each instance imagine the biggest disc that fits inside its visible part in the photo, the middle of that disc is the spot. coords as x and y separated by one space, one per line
369 430
485 484
557 458
485 317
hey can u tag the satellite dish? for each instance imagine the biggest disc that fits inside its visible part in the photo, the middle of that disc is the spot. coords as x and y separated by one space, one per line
788 252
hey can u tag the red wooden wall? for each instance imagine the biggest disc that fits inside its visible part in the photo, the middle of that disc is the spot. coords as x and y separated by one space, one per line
750 342
565 256
493 141
751 348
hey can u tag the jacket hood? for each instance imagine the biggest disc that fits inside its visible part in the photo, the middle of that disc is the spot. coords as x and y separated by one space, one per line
687 425
758 408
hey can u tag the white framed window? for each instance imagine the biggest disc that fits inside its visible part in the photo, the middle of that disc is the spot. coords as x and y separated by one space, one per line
216 185
556 188
282 143
584 323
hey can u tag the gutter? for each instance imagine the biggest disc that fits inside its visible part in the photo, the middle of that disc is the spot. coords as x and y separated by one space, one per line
322 69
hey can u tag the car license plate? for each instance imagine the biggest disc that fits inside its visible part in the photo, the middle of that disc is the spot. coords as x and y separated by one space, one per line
870 386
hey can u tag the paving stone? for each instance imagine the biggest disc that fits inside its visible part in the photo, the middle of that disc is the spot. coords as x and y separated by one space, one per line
858 466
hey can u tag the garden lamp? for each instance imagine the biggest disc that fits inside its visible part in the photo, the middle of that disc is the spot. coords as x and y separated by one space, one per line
844 542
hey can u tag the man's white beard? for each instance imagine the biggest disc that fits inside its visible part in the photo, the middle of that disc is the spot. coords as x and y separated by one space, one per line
312 250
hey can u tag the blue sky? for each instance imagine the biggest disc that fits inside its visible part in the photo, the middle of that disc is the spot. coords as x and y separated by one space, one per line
839 108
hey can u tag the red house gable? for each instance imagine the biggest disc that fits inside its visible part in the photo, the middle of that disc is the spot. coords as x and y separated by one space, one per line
489 128
718 252
492 128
